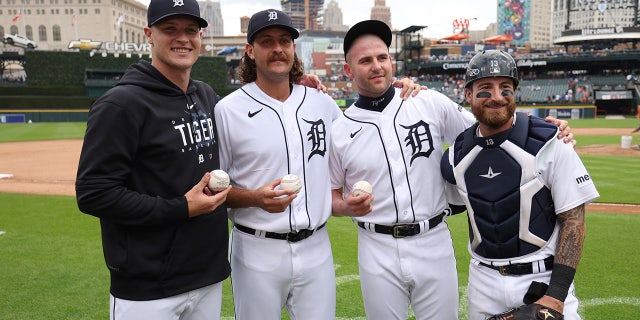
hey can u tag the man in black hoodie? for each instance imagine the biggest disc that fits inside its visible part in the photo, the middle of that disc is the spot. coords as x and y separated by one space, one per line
148 150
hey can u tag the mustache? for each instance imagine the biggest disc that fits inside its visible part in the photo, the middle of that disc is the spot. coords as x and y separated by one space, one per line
279 57
495 104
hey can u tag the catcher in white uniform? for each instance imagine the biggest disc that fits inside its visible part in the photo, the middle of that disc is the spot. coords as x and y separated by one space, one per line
280 251
525 194
405 252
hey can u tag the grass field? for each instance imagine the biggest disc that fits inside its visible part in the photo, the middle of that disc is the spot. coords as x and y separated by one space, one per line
51 263
52 266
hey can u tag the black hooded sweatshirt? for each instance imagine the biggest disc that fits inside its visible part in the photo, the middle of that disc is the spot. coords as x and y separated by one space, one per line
147 143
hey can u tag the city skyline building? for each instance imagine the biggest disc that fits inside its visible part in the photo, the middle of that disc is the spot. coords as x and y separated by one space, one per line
514 19
595 21
304 14
55 25
332 17
540 24
210 11
380 11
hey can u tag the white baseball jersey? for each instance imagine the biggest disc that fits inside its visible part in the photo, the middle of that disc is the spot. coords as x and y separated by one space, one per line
556 166
398 151
263 139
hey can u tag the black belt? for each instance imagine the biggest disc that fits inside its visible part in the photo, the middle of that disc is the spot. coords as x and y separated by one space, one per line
403 230
290 236
519 268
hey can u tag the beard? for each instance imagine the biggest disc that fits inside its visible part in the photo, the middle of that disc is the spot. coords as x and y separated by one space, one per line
491 118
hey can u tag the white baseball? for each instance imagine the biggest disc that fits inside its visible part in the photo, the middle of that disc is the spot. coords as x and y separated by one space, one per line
219 180
361 187
291 182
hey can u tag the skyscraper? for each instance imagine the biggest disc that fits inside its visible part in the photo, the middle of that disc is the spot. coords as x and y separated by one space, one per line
513 20
304 13
381 12
540 24
210 11
332 18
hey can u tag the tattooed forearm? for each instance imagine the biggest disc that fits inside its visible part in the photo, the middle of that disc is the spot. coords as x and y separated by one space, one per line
571 237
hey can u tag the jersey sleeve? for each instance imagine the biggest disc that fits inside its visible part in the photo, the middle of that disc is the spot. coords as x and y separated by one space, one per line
565 175
223 134
336 170
456 118
336 112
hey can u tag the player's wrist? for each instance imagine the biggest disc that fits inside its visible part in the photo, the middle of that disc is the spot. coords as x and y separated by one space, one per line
552 303
561 279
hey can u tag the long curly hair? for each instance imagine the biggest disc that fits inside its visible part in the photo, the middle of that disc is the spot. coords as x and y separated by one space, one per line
247 69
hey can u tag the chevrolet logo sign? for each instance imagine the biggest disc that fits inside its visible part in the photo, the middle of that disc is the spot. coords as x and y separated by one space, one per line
85 45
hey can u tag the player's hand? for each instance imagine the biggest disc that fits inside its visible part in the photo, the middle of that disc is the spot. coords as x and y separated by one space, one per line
409 88
312 81
200 200
552 303
360 205
565 130
532 311
272 200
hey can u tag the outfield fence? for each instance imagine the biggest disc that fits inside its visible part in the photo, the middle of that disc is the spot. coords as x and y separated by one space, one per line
43 115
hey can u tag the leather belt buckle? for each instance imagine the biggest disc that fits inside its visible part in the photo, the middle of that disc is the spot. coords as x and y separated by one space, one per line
302 234
404 230
292 237
503 270
297 236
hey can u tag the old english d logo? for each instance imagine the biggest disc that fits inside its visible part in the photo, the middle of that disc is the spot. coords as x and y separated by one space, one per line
317 134
419 139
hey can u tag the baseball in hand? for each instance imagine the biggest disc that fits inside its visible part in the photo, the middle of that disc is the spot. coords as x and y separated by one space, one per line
219 180
361 187
291 182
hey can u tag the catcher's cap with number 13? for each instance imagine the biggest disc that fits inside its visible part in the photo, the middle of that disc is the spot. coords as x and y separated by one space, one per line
489 64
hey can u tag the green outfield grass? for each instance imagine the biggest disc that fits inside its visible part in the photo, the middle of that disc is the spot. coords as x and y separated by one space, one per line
615 177
601 122
10 132
51 263
75 130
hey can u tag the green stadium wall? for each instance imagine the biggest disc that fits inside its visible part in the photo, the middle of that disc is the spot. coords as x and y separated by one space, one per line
56 88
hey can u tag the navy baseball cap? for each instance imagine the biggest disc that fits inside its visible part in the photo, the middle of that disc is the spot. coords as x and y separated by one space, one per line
161 9
374 27
267 19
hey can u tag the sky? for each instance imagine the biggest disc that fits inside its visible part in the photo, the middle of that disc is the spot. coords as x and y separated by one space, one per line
437 15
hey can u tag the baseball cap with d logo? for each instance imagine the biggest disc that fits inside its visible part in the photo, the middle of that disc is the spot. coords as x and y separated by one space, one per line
267 19
161 9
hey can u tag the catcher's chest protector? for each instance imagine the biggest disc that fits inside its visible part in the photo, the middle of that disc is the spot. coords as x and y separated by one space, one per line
511 212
